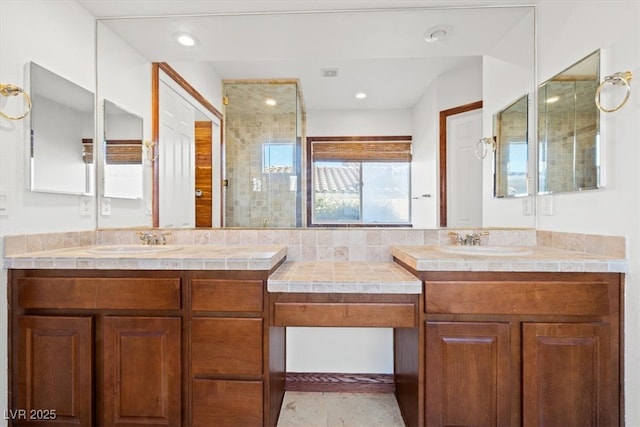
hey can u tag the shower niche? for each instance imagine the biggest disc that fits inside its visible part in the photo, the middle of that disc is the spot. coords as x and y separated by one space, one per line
264 129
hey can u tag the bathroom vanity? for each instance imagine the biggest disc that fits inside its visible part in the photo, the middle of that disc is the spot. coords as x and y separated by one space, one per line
527 348
128 346
197 336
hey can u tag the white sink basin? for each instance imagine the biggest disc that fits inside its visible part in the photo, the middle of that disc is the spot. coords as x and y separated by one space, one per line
486 250
133 249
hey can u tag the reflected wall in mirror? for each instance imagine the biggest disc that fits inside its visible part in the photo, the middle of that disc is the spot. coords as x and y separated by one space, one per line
62 128
408 82
122 145
511 155
569 129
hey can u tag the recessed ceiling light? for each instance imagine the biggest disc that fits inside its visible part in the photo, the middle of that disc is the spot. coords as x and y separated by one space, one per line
271 102
552 99
186 39
361 95
438 33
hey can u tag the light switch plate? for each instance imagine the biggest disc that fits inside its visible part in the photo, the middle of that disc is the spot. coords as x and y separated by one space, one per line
85 206
527 206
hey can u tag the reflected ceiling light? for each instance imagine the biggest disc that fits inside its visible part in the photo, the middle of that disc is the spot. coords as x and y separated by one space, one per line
552 99
438 33
186 39
271 102
361 95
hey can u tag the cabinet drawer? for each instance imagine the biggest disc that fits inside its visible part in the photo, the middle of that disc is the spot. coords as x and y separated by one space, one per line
227 403
391 315
226 295
224 346
99 293
515 297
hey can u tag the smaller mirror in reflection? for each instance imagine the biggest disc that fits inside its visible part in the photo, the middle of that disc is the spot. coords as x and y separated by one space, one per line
62 127
123 166
511 155
569 129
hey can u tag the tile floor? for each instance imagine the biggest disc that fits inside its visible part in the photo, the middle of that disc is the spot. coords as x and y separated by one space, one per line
339 410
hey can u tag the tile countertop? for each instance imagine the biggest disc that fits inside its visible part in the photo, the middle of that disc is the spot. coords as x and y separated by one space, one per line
343 277
534 258
183 257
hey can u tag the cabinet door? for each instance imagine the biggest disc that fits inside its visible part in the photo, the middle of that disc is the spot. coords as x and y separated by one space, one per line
568 374
468 374
54 364
141 381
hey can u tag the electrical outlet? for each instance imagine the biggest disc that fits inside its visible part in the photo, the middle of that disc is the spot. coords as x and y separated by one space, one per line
85 206
106 207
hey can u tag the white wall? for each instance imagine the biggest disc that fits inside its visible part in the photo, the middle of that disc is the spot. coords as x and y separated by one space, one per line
359 122
568 31
58 36
68 53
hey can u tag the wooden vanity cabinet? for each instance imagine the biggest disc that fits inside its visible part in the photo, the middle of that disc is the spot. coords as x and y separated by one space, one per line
151 348
95 348
530 349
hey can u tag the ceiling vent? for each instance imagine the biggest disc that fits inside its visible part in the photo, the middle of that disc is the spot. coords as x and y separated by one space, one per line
329 72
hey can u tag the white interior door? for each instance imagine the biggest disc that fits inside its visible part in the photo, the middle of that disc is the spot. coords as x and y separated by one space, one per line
464 170
176 160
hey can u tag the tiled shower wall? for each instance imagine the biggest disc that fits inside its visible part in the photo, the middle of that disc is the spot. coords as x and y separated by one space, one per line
569 128
254 197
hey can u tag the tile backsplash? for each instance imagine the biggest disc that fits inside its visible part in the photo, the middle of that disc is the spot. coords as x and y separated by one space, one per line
323 244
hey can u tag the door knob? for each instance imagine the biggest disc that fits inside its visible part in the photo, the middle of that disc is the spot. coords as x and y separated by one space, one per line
198 193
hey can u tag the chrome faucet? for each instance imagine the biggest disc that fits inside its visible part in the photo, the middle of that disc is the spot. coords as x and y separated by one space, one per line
148 238
471 239
153 239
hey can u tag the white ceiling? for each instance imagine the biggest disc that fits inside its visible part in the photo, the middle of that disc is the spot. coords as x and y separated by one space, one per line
381 52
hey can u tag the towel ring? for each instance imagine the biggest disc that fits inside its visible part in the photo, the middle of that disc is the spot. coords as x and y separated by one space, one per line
12 90
483 145
615 80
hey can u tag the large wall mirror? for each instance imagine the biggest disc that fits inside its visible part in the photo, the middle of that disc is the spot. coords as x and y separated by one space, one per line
569 129
398 57
62 127
512 150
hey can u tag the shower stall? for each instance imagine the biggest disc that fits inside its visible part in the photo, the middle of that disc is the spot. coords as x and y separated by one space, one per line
263 151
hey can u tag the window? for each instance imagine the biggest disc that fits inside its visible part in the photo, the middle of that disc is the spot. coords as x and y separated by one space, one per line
363 181
278 157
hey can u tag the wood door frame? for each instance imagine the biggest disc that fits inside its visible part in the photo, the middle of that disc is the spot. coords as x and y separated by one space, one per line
444 115
155 124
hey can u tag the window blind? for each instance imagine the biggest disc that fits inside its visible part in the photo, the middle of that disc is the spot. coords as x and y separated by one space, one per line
362 150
